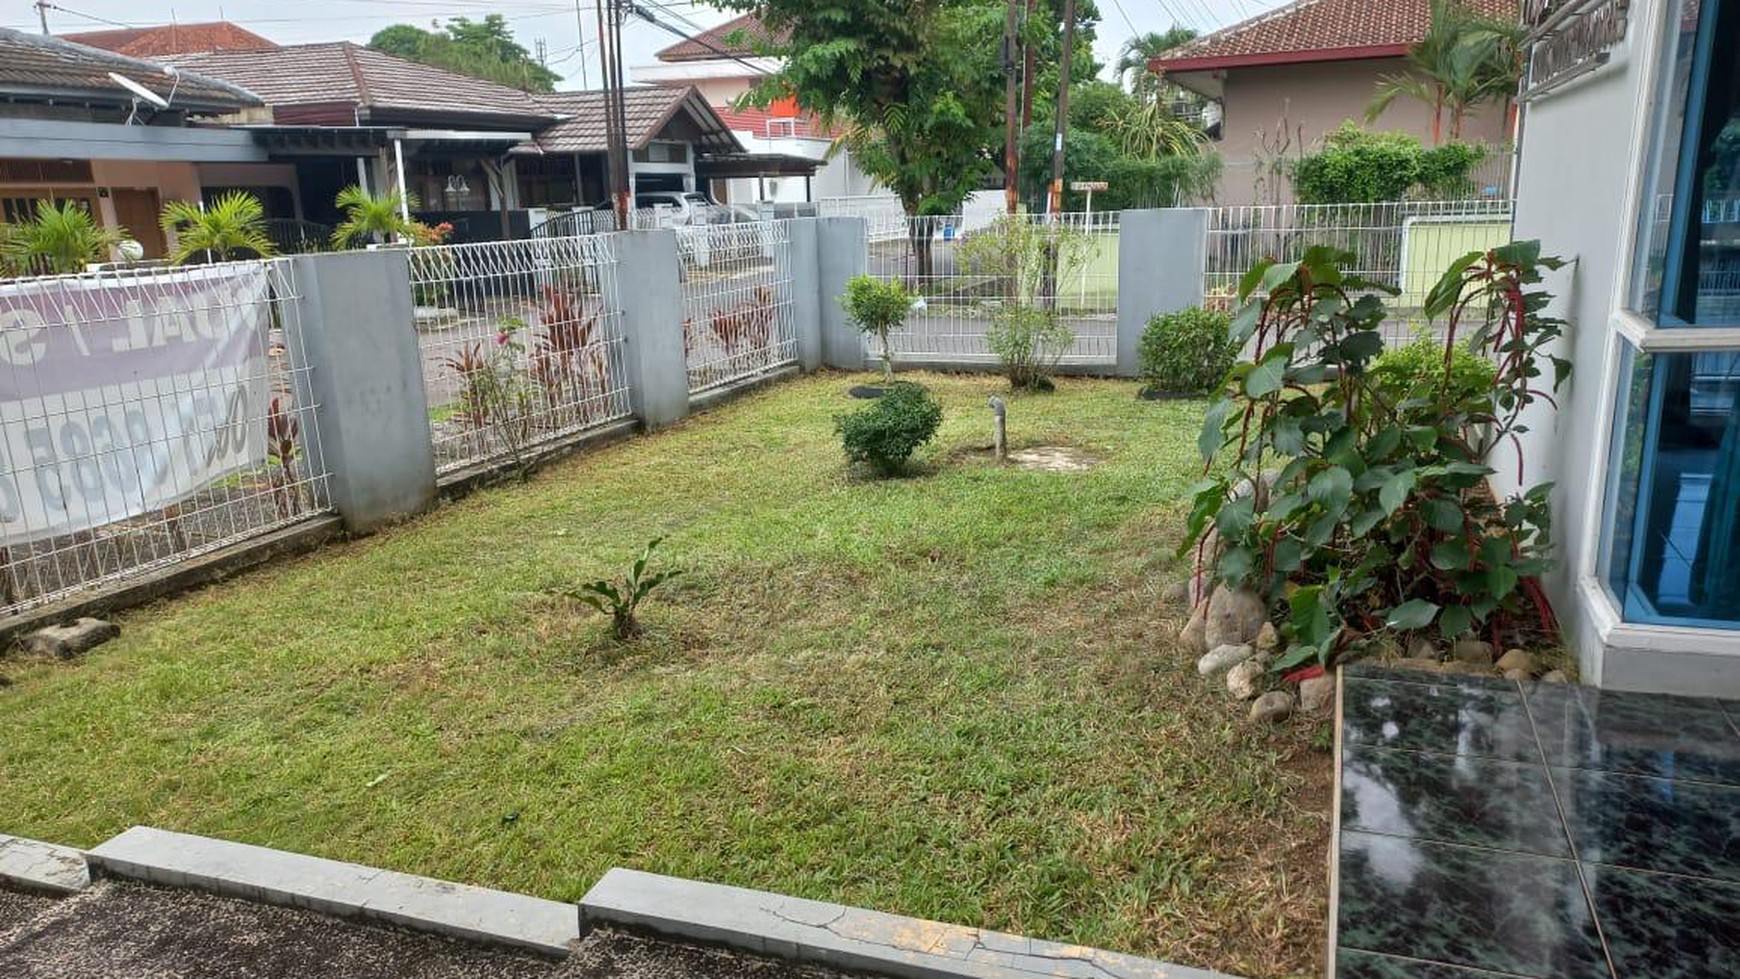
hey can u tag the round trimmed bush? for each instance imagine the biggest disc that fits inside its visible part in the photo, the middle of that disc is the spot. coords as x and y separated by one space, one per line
1419 367
1186 352
885 434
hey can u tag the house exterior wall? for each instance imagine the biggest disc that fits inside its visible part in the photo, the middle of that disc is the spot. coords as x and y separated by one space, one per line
1584 153
1308 101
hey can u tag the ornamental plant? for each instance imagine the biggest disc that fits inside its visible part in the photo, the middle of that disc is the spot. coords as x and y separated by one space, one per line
887 433
1186 352
621 600
879 307
1029 260
1356 498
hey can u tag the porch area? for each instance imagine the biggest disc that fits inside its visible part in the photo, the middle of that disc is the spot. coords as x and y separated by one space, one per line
1490 827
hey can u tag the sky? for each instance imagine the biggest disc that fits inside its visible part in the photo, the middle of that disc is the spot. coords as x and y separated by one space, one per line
551 21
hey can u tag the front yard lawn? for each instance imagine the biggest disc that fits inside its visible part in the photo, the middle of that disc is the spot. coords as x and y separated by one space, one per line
955 695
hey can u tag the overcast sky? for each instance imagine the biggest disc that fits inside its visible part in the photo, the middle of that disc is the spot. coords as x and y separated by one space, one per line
552 21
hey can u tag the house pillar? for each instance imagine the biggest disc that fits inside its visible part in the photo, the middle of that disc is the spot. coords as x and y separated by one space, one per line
1162 264
648 290
842 251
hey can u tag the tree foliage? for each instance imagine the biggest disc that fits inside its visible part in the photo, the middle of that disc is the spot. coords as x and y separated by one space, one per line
1134 56
483 49
59 239
1359 167
372 218
1466 60
233 226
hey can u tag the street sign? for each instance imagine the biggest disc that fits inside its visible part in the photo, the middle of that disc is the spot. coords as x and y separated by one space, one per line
1088 186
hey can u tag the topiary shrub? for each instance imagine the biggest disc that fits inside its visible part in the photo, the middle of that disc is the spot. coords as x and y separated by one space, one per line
879 307
1186 352
885 434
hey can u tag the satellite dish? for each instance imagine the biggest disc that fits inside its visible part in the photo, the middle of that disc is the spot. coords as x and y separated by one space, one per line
139 90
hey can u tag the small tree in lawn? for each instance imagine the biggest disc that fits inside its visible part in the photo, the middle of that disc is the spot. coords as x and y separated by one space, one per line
621 600
1035 261
879 308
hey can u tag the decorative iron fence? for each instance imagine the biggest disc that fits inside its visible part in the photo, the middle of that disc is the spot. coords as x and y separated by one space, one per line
293 237
1406 245
574 224
521 344
737 301
148 416
966 293
883 214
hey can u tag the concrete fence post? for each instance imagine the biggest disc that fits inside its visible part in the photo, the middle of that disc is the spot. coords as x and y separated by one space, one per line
648 288
1162 265
842 251
357 335
806 290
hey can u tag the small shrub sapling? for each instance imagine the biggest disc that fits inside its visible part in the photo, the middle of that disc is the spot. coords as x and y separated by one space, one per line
879 308
885 434
622 599
1186 352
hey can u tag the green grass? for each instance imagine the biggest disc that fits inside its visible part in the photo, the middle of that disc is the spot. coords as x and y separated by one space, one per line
953 695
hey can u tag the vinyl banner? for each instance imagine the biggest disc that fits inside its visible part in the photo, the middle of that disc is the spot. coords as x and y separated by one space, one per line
122 395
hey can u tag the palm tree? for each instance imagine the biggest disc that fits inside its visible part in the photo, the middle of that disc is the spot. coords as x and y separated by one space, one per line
236 222
1139 50
1465 60
372 218
59 239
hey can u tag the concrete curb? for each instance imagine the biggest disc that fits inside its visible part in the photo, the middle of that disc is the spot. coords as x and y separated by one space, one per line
42 868
850 939
473 914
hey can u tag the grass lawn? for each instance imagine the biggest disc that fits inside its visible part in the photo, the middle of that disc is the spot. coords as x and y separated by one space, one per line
954 695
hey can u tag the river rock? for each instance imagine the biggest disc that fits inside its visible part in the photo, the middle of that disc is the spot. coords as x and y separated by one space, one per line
1192 638
1235 616
1555 676
1317 694
1177 593
1222 658
1268 638
1242 681
1420 647
1473 651
1517 659
1272 707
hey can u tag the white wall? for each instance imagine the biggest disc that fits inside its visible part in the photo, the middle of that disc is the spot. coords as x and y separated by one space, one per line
1575 193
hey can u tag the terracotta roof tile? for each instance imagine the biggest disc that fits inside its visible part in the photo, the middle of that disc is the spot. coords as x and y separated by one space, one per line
647 108
31 64
150 42
382 87
763 123
1318 30
737 37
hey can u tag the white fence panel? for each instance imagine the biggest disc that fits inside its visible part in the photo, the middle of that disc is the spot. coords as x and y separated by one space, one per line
737 301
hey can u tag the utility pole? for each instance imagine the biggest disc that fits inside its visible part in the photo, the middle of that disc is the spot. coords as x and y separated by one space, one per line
624 191
1029 65
1054 201
615 138
1011 110
580 41
42 14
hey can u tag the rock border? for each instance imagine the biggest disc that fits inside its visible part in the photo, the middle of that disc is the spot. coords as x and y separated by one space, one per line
42 868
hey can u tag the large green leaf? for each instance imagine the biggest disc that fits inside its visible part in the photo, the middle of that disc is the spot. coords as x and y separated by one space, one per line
1268 376
1331 489
1395 490
1444 514
1214 429
1413 614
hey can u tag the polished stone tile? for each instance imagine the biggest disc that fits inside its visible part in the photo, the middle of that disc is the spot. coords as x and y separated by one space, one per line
1382 671
1676 827
1642 734
1437 717
1483 909
1452 799
1354 964
1662 927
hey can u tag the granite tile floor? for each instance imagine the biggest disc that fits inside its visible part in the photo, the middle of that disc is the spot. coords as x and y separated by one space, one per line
1495 828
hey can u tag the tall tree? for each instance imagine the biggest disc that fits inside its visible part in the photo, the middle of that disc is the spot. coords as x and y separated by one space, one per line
1133 59
480 48
1466 60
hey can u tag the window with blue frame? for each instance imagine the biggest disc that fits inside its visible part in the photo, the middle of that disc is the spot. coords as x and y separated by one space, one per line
1672 549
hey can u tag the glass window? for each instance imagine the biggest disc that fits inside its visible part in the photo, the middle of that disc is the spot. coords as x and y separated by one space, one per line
1672 551
1689 269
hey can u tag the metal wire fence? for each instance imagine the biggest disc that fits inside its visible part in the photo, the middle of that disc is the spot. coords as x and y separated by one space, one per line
1403 244
573 224
737 301
521 344
883 214
148 416
977 286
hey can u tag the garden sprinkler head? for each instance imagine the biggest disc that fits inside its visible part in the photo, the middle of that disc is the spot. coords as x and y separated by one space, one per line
1001 444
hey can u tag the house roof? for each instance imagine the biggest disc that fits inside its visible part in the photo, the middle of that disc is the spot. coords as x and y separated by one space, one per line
1317 30
150 42
738 37
649 109
364 86
32 65
764 123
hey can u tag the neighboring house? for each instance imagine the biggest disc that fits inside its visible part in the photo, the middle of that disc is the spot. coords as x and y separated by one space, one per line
1286 78
1629 166
792 157
165 39
672 135
69 131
